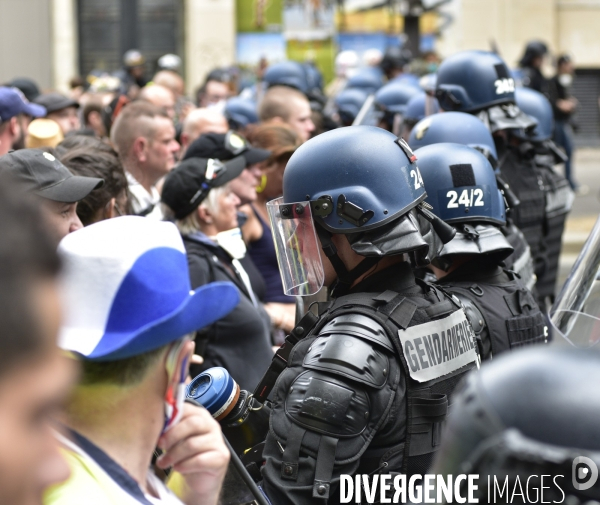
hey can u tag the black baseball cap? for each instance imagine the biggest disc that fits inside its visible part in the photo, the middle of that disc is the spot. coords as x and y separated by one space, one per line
27 86
55 101
41 173
225 146
190 182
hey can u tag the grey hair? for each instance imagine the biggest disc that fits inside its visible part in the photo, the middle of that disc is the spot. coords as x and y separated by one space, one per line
191 223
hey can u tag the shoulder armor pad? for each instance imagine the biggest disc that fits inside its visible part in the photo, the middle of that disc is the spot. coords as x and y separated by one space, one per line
359 326
473 314
328 405
353 346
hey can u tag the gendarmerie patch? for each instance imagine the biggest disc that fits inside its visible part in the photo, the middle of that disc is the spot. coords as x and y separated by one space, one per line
439 347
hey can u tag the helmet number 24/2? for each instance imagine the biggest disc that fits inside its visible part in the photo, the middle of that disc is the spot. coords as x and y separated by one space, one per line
418 180
468 198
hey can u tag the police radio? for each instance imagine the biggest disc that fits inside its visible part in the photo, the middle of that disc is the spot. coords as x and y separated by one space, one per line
244 420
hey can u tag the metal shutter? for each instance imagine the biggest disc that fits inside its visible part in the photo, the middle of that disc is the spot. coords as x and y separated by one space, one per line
154 27
586 88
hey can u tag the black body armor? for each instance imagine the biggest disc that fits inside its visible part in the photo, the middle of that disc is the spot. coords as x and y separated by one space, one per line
559 199
503 313
520 260
518 168
367 389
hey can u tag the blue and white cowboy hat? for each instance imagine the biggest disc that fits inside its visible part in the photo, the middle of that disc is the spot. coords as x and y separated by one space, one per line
126 290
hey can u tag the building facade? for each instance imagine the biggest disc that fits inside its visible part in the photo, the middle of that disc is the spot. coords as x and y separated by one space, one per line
53 41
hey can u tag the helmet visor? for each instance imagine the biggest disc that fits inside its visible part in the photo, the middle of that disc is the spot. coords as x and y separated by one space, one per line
575 314
297 247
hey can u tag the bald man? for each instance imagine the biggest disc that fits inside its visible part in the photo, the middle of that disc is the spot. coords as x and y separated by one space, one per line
161 97
282 104
201 121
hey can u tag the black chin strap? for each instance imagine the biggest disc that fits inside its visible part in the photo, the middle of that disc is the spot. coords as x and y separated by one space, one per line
345 277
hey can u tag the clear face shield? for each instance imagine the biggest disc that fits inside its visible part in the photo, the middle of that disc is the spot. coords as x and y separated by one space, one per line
297 246
575 314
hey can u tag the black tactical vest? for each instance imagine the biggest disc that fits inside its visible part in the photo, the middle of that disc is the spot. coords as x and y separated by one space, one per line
559 198
519 170
367 390
511 316
520 260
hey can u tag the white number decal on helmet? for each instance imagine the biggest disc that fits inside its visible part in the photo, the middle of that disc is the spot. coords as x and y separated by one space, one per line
505 85
468 198
416 175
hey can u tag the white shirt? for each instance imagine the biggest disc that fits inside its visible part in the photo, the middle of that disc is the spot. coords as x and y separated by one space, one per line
142 200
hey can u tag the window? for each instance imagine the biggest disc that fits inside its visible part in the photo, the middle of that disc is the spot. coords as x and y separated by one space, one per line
109 28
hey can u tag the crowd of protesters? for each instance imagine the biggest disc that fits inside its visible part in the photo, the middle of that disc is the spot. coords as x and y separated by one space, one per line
186 279
125 145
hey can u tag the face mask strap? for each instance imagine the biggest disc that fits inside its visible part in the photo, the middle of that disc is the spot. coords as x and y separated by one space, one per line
345 277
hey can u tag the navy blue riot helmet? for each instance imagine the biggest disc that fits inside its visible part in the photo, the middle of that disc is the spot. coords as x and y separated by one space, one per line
479 82
366 79
536 105
348 104
461 184
314 78
394 96
391 100
462 189
359 167
469 81
240 113
528 414
419 106
360 181
287 73
457 127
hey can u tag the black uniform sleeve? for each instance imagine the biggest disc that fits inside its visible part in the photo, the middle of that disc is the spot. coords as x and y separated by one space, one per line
329 404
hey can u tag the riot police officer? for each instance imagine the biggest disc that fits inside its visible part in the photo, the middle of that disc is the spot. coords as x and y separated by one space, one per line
528 422
462 189
539 146
418 107
240 113
348 104
463 128
391 100
367 79
479 83
366 388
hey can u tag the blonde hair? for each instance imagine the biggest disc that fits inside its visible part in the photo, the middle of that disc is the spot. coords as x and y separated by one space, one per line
191 223
279 102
